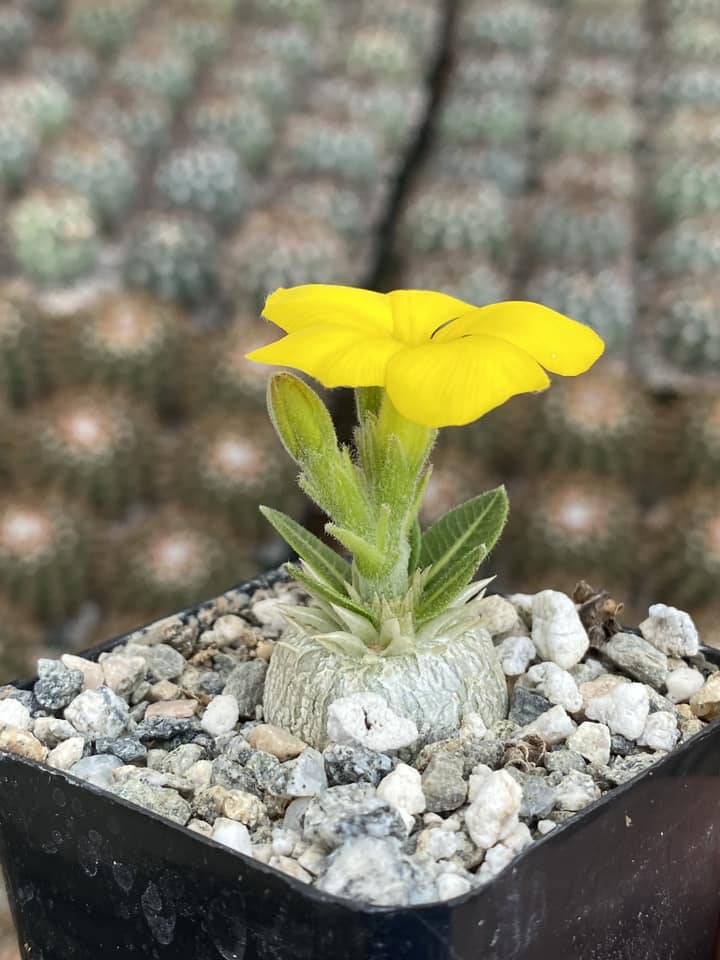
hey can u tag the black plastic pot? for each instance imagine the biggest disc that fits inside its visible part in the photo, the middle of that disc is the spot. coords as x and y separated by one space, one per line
636 876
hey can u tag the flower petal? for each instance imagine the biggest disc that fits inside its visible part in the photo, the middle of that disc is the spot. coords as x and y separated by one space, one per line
318 303
560 344
449 384
417 314
334 355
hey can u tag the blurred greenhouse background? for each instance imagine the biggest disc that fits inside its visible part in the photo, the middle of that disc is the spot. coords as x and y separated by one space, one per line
164 164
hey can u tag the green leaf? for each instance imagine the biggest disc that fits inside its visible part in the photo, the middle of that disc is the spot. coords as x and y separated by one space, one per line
415 542
478 522
316 588
323 560
365 554
442 588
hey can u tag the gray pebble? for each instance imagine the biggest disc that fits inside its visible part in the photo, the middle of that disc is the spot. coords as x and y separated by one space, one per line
162 800
563 761
57 685
305 776
174 632
538 798
443 783
351 763
233 776
128 749
96 770
165 728
98 713
179 760
162 661
621 746
622 769
246 684
351 810
637 658
526 705
267 771
373 870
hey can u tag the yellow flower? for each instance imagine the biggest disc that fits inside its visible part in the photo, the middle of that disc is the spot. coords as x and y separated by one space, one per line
443 362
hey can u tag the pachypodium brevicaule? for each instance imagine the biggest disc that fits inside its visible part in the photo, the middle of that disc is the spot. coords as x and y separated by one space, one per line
402 617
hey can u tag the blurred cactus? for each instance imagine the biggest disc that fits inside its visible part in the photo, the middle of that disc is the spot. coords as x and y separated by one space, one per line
450 219
687 186
466 166
468 279
19 145
378 53
16 33
609 28
41 101
43 562
606 76
255 76
687 324
456 476
494 118
140 120
493 73
293 45
154 66
694 85
288 11
23 363
71 65
582 124
240 121
514 25
580 234
693 38
394 112
688 130
419 22
21 643
173 256
206 178
86 444
690 247
226 378
576 175
346 210
283 247
343 149
104 25
605 300
102 169
202 34
696 439
54 237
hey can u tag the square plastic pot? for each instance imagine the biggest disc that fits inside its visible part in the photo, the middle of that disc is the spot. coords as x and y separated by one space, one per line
636 876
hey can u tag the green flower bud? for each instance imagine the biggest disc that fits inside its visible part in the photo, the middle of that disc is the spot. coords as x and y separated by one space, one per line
300 418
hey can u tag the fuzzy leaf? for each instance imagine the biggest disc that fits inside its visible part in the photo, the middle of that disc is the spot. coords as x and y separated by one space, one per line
365 554
448 583
478 522
322 560
415 542
316 588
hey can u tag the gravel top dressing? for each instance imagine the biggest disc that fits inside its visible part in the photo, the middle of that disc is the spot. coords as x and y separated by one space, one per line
172 720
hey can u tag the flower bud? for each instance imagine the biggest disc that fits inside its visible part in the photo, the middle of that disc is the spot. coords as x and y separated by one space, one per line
300 418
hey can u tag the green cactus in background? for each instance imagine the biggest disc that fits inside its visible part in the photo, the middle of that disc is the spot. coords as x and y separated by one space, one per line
344 208
693 38
695 8
690 247
693 85
443 218
696 441
499 72
317 146
610 28
573 123
140 120
607 76
131 341
19 146
496 118
224 378
170 560
467 278
105 25
240 121
605 300
687 324
46 8
420 22
202 34
43 562
293 46
54 237
88 444
254 76
173 256
41 101
208 179
102 169
71 65
612 176
23 363
378 53
287 11
467 166
156 67
577 234
16 34
21 643
455 474
281 248
688 130
518 25
686 186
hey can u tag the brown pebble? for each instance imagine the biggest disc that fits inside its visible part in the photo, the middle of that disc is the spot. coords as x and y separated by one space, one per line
22 742
706 701
163 690
280 743
93 673
264 650
180 709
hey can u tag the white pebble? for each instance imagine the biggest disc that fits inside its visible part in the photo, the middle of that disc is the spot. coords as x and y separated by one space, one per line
451 885
515 655
661 731
545 826
671 630
67 753
436 843
221 715
307 775
557 631
366 718
473 727
503 853
592 741
682 683
575 791
402 788
14 714
557 685
232 834
624 709
553 726
479 775
493 813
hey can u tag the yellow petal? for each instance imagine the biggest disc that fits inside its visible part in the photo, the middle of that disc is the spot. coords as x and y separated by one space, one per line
335 356
560 344
449 384
416 314
317 303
